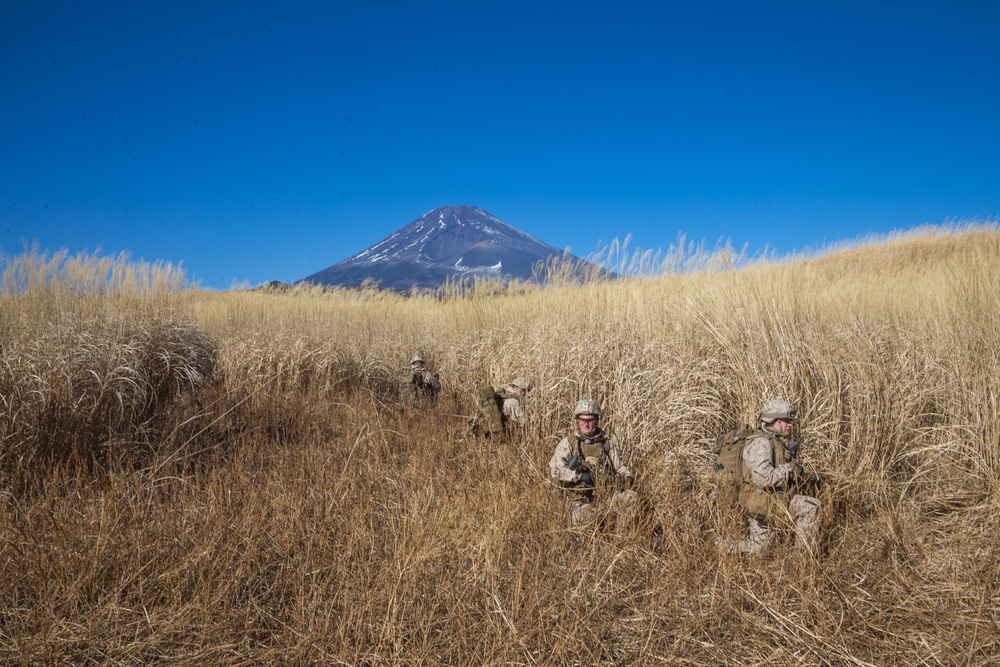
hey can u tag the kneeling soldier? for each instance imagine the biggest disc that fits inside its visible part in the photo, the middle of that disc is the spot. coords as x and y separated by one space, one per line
768 490
590 468
418 385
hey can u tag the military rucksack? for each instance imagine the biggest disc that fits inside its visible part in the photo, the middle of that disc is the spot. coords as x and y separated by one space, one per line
728 450
490 420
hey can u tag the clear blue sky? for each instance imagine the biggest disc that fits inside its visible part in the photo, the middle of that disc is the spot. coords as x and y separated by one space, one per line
258 141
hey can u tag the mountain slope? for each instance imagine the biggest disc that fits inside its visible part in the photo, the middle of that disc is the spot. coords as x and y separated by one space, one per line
451 242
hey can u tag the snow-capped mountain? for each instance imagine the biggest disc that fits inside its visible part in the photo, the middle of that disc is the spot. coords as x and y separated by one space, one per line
450 242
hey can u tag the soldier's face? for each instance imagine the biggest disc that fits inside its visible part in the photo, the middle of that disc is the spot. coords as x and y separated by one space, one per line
783 427
587 424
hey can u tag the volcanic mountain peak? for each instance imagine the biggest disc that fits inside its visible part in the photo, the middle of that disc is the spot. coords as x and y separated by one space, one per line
440 234
448 242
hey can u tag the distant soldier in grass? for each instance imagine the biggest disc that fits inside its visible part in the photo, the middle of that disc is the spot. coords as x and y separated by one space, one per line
769 472
587 465
512 408
418 386
501 411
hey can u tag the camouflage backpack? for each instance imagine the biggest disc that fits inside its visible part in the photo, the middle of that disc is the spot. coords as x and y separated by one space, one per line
490 420
728 450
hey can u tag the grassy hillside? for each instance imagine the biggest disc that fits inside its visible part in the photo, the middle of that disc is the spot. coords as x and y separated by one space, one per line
224 478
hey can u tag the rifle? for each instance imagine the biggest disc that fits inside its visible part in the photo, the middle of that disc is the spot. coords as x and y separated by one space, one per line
620 482
579 464
803 480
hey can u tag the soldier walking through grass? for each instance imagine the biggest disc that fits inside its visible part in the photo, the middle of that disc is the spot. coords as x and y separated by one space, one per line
588 466
500 412
418 386
513 394
769 473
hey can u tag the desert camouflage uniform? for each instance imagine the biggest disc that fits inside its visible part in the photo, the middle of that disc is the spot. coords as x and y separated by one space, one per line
418 385
581 497
513 410
765 476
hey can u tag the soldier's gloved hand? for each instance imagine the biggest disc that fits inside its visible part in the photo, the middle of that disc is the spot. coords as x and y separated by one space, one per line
795 473
587 478
793 448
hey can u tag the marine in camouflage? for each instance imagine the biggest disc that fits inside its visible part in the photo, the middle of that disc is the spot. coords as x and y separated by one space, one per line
589 469
768 492
418 386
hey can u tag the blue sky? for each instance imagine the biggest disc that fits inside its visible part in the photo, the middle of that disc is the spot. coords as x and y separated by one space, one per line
260 141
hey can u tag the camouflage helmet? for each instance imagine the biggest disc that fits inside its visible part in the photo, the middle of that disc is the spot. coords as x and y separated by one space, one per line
778 409
522 383
417 359
585 406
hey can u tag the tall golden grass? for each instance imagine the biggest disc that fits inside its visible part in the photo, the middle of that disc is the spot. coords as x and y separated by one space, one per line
225 478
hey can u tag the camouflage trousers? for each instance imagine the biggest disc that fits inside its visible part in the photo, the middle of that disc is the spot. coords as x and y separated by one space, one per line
625 503
803 511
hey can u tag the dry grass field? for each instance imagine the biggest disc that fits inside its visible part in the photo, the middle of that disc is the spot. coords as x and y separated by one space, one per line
201 478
